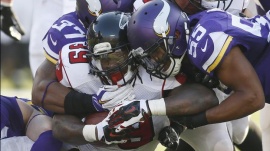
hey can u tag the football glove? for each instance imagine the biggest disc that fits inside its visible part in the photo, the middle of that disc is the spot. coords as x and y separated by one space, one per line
169 136
10 24
101 132
127 114
110 96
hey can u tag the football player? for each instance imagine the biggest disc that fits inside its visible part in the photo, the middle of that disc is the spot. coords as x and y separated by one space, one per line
245 145
111 62
20 118
202 51
243 129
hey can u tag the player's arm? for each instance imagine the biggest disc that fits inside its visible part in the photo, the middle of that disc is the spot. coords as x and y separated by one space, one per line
238 74
71 126
46 91
189 99
186 99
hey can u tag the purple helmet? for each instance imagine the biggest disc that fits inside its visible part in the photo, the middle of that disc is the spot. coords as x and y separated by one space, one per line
159 24
88 10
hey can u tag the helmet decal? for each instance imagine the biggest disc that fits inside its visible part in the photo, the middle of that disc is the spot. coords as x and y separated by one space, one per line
95 7
162 28
122 23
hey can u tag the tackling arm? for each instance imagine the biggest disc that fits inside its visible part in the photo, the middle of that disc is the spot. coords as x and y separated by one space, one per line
56 92
187 99
237 73
68 128
190 99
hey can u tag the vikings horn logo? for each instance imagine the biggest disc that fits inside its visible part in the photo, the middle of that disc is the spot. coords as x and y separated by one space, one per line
161 26
94 7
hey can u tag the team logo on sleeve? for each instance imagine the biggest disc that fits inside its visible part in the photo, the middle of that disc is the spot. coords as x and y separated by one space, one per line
205 46
53 42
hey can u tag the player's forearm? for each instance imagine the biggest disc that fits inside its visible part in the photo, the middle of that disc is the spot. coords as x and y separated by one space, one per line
247 96
236 106
188 99
68 129
47 92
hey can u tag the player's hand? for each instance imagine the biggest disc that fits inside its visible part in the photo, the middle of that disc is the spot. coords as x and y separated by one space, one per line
10 24
110 96
101 132
127 114
107 135
169 136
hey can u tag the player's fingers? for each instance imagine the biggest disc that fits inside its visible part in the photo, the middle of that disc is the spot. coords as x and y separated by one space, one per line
115 122
130 122
110 88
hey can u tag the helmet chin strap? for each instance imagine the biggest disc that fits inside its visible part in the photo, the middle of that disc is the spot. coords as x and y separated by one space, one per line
175 67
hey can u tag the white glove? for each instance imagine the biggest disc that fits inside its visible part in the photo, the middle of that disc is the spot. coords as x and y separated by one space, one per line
110 96
115 95
103 132
128 114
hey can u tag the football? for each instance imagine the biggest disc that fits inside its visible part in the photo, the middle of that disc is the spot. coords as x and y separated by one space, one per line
95 118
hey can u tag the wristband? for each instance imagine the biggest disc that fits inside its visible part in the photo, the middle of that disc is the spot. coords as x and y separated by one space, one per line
89 133
199 120
78 104
157 107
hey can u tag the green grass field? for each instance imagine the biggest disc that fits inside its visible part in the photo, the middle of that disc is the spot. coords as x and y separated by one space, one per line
7 88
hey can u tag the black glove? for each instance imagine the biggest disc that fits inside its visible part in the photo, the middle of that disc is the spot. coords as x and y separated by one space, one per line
169 136
9 23
191 121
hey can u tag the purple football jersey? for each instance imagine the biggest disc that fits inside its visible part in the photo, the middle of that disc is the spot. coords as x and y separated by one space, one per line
263 71
11 118
66 30
217 32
